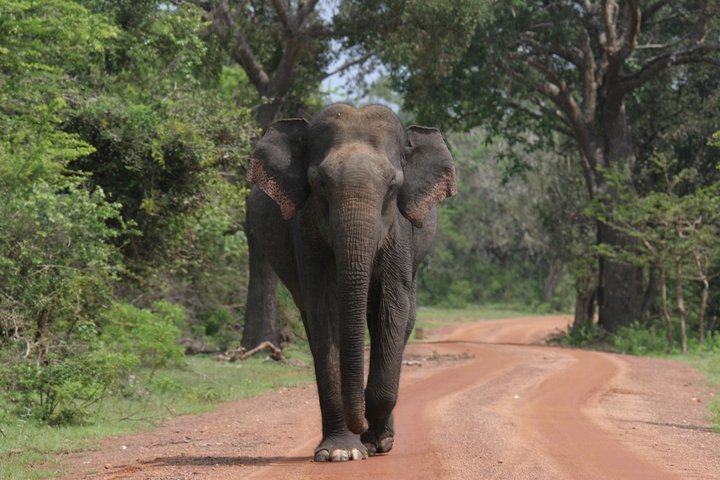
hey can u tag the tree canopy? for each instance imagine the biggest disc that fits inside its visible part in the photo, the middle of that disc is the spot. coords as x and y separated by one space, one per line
560 70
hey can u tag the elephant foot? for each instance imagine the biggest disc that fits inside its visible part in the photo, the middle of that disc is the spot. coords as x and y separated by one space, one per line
379 440
341 448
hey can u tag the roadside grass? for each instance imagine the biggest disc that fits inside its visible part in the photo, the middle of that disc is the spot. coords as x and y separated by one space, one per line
709 364
438 317
32 451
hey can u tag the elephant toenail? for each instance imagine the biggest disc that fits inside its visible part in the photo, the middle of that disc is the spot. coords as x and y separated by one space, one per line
340 456
322 456
357 454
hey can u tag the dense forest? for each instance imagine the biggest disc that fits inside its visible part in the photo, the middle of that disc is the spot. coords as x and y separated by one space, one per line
584 136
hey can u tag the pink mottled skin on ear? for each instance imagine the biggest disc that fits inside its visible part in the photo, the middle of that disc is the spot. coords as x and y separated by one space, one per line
259 176
444 188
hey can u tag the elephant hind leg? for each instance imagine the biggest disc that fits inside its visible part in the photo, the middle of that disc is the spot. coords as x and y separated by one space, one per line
261 307
379 437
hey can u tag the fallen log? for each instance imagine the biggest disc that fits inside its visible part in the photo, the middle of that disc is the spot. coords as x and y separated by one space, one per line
242 354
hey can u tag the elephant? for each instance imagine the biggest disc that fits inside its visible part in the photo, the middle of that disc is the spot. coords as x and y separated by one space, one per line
343 211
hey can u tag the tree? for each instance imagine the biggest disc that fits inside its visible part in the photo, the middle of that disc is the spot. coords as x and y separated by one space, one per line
281 46
119 124
559 69
675 228
168 135
56 266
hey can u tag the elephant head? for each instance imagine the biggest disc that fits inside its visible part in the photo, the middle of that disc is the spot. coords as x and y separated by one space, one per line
354 173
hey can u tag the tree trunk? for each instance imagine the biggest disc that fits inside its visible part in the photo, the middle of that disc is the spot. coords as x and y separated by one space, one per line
584 309
620 291
666 312
585 301
552 279
680 304
651 293
267 113
703 298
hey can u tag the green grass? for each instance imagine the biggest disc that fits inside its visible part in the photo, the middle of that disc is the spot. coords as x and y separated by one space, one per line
436 317
709 364
31 451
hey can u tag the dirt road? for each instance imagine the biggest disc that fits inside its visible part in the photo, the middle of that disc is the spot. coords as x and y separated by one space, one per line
480 401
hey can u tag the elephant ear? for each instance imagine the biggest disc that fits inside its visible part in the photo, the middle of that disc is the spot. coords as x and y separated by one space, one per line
429 174
277 165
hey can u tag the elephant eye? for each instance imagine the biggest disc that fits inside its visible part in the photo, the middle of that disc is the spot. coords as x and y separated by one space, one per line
392 188
316 178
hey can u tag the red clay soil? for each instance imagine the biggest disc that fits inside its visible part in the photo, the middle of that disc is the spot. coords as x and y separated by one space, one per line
488 401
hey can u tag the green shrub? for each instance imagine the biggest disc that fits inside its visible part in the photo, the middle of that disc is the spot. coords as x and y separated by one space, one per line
217 328
579 336
459 295
151 335
638 339
66 386
205 394
164 384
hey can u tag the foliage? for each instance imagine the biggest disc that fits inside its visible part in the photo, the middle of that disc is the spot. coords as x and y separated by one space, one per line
568 72
171 129
161 123
499 238
87 366
675 229
638 339
579 335
675 118
120 133
64 388
57 261
150 335
206 253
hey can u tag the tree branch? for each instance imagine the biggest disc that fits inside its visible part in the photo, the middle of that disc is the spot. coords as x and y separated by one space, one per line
590 82
285 19
555 90
631 28
227 28
698 54
608 13
305 10
653 9
351 63
538 116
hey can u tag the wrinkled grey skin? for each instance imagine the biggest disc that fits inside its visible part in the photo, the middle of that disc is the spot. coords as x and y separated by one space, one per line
344 211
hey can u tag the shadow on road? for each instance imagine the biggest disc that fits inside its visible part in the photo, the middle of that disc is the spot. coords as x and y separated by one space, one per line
189 460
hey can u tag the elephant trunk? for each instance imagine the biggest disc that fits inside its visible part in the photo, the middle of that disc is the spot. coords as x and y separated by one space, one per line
355 256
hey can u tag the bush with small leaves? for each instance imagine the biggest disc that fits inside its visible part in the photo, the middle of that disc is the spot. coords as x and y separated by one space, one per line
151 335
65 388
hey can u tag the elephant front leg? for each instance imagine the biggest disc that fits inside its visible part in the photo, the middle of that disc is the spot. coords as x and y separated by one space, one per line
338 443
387 331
